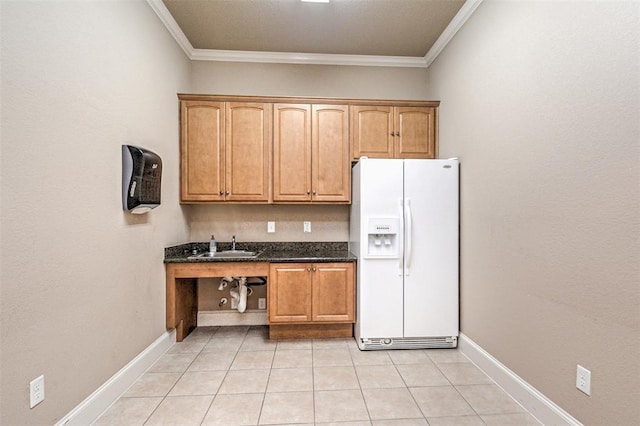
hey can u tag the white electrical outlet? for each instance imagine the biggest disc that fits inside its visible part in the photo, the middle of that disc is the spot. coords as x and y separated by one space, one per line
583 380
271 226
36 391
307 226
262 303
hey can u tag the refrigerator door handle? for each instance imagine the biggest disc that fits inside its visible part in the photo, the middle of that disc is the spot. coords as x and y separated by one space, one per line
400 257
409 231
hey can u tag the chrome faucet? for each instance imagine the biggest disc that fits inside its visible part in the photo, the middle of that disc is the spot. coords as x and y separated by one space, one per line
233 243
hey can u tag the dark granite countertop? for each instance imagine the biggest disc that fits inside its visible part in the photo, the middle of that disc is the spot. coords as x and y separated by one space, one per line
269 252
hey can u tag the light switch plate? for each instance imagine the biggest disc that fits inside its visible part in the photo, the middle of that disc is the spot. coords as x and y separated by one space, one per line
307 226
271 227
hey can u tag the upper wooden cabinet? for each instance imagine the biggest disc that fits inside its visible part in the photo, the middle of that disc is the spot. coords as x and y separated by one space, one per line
379 131
311 153
251 149
248 151
225 151
201 151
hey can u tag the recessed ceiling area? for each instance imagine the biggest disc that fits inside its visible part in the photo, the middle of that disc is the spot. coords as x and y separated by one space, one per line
398 32
348 27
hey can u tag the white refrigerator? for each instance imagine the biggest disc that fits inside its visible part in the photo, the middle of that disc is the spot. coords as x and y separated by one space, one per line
404 231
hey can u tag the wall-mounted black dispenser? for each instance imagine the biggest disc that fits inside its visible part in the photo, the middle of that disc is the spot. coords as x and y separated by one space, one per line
141 179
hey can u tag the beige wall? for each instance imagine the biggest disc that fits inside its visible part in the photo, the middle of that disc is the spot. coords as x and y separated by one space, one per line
540 101
82 282
308 80
249 223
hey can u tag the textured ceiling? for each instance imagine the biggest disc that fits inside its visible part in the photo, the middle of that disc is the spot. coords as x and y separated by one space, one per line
350 27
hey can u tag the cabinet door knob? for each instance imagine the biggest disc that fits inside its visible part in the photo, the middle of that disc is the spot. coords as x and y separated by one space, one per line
221 192
227 193
314 192
308 191
308 269
314 269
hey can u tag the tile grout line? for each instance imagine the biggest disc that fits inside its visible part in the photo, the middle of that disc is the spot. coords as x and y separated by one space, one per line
204 416
266 386
176 382
225 373
454 386
408 388
366 406
313 385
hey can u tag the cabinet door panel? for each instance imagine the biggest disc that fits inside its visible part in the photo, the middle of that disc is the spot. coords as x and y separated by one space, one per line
202 165
416 128
333 292
371 131
331 168
292 152
289 293
247 151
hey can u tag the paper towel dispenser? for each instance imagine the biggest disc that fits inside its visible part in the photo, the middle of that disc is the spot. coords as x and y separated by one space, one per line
141 179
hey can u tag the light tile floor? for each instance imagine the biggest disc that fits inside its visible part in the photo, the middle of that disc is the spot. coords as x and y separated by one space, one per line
237 376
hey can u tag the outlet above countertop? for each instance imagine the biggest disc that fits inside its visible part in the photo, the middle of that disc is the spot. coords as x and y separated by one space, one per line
269 252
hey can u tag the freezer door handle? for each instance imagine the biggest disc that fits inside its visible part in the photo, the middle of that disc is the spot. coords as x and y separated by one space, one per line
409 231
401 257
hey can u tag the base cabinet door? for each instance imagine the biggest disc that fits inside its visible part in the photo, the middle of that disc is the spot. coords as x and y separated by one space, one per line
289 292
332 292
311 292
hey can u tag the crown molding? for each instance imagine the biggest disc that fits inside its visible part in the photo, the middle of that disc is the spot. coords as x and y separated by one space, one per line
307 58
174 29
456 23
314 58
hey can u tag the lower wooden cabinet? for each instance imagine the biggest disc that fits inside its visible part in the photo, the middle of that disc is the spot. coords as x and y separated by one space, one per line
311 293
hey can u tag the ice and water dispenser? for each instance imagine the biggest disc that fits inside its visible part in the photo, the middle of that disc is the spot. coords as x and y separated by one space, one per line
383 237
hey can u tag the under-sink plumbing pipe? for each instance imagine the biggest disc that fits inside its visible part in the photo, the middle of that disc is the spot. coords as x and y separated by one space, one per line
223 283
239 294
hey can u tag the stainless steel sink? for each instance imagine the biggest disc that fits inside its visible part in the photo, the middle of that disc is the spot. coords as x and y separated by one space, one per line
226 254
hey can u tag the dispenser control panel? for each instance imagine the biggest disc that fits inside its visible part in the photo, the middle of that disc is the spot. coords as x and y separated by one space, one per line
383 238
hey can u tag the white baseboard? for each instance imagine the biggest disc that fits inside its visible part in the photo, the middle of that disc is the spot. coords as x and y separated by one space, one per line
212 318
95 404
541 407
